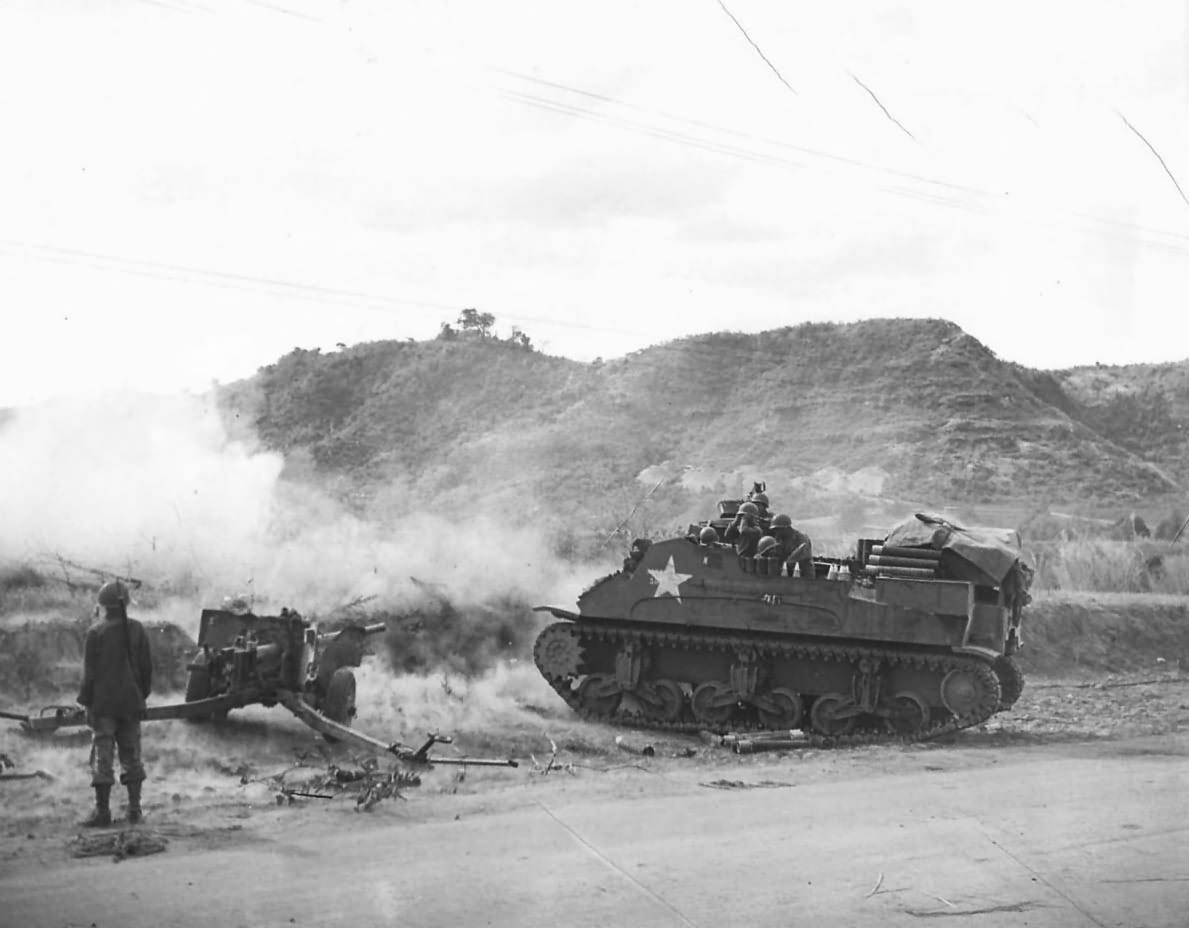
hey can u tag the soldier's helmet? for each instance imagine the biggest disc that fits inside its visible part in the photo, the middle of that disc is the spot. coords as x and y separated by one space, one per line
782 520
708 535
749 509
760 499
765 544
113 593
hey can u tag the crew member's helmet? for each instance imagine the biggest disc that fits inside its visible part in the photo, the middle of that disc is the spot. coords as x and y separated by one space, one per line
765 544
760 499
113 593
750 509
708 535
782 520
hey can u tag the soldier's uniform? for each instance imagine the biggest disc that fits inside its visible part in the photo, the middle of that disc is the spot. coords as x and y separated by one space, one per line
789 540
744 531
117 678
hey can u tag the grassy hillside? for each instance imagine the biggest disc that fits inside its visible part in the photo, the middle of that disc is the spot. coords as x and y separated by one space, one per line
1142 407
909 409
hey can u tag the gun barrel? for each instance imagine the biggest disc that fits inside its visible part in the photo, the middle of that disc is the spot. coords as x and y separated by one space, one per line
471 761
373 629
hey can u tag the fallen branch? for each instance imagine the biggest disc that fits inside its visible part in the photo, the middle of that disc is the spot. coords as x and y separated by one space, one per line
875 888
553 764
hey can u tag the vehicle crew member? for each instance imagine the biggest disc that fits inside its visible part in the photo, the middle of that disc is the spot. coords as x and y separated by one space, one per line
745 530
794 546
117 678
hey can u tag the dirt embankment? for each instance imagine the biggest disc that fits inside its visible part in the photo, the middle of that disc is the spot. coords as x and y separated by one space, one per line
41 659
1094 634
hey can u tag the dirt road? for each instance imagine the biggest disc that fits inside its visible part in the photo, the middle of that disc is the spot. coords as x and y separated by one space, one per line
1069 834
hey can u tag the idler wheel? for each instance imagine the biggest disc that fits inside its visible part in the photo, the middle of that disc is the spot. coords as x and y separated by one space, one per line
665 703
713 703
826 718
787 709
1011 682
599 695
909 714
965 691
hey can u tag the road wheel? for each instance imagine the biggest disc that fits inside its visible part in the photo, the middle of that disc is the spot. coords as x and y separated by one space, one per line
666 704
600 695
826 718
786 712
910 714
713 703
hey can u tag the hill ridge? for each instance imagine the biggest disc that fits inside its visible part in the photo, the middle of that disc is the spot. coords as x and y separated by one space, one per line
919 401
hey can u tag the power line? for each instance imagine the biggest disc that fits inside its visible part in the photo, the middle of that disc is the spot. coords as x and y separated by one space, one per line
960 196
272 286
759 51
1152 149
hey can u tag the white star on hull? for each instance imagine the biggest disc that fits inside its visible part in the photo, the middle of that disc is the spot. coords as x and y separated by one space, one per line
668 581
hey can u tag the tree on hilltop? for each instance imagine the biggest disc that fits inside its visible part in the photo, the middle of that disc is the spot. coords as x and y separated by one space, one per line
473 321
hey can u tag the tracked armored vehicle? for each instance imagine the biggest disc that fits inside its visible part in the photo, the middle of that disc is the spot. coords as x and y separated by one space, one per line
910 638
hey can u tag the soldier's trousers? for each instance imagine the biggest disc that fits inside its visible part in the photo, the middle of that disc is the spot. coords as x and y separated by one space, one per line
107 736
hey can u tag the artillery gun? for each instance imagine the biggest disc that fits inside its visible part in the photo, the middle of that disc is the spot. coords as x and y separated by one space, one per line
245 659
910 638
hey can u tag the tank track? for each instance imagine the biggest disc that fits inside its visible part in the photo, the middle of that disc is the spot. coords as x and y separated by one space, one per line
560 678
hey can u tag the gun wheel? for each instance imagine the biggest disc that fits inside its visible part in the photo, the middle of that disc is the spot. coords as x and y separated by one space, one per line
198 686
339 705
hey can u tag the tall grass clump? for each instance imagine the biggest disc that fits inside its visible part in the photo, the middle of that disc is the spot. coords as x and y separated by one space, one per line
1101 566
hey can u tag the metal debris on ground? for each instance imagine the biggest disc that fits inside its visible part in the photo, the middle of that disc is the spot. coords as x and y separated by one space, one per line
119 844
8 768
369 783
743 784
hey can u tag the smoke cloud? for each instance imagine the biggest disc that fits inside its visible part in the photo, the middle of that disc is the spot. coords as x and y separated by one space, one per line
158 488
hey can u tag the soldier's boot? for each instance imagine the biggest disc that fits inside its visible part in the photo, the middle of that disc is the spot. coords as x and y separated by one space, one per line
101 815
134 814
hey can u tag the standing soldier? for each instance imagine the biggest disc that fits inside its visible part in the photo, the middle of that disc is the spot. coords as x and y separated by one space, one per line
745 530
117 678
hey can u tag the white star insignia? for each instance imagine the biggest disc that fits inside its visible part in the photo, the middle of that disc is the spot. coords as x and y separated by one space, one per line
668 581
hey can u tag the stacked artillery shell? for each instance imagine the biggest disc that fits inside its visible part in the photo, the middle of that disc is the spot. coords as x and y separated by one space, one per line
757 741
914 563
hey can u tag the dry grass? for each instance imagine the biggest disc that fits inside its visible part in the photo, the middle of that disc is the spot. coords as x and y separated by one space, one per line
1102 566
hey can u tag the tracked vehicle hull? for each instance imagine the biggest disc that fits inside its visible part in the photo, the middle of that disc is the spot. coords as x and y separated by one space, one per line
694 637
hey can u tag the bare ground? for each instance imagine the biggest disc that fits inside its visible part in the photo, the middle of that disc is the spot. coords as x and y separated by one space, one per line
235 784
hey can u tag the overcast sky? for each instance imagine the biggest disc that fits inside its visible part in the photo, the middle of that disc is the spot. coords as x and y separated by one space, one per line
191 188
